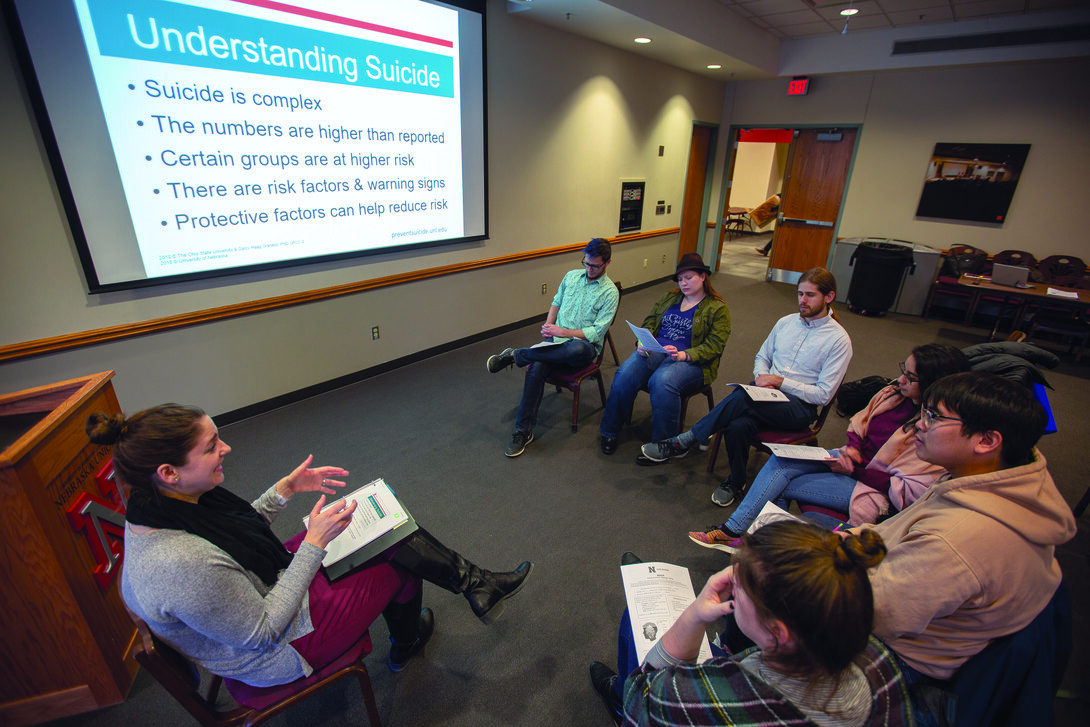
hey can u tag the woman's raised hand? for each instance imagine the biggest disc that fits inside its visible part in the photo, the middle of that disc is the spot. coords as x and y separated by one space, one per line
324 526
716 598
683 639
306 479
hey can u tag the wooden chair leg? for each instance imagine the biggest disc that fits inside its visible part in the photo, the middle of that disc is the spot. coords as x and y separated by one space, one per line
368 696
714 450
706 390
575 410
613 350
601 388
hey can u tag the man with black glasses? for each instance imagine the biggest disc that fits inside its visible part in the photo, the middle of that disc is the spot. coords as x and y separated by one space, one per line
973 559
575 330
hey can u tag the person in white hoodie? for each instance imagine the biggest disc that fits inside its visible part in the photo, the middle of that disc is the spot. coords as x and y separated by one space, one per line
973 559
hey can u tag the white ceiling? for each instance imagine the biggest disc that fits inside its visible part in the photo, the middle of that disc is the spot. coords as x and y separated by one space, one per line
747 37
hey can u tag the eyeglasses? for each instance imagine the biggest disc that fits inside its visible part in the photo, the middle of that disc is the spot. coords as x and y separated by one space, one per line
909 376
595 268
929 415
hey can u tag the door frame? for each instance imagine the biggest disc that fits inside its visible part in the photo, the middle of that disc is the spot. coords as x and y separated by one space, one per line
690 190
728 182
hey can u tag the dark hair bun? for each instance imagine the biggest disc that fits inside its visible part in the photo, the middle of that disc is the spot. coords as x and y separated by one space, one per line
865 550
103 429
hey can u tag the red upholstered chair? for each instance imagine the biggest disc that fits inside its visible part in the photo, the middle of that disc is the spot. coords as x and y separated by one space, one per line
1020 258
566 377
762 437
181 678
1055 266
946 285
1065 321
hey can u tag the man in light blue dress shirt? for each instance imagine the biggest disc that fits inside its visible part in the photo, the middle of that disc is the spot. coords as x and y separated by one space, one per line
805 356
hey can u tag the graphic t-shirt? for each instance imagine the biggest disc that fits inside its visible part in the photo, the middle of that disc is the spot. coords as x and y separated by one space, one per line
676 328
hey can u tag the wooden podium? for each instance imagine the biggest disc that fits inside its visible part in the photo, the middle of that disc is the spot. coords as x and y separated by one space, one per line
66 637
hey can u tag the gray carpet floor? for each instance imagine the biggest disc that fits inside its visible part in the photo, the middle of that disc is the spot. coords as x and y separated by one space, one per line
436 430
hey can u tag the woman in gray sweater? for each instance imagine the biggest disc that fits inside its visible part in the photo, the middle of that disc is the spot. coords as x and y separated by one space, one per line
205 571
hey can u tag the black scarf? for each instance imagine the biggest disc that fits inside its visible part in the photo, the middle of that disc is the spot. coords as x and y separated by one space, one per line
223 519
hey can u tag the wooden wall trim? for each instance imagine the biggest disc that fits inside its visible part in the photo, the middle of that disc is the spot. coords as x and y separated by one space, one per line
97 336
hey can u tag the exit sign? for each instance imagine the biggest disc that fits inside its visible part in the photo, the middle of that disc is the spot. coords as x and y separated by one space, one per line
798 86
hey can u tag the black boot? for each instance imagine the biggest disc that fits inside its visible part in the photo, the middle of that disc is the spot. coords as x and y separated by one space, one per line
604 681
422 555
410 628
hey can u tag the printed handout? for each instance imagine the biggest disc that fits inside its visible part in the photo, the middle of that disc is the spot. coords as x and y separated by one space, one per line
646 338
656 594
762 393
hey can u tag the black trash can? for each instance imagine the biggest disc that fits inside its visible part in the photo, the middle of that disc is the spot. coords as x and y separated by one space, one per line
879 268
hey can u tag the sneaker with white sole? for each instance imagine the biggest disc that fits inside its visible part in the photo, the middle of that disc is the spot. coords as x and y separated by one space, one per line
727 494
717 537
519 440
500 361
662 451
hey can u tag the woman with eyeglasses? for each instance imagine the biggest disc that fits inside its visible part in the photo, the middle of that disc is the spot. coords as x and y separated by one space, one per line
692 323
875 471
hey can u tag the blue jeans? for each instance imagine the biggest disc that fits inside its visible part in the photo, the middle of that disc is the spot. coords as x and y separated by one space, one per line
739 417
783 480
666 380
575 353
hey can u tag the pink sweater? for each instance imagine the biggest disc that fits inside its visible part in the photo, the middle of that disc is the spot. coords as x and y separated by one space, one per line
909 476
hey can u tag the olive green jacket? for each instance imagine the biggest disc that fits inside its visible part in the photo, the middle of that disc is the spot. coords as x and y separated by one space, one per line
711 329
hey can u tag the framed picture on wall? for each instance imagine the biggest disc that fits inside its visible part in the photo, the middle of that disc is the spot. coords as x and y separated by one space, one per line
972 182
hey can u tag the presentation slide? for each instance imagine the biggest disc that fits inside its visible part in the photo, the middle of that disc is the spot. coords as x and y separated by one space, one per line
234 134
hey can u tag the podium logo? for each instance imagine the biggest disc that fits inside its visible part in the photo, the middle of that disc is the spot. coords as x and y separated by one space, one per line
102 521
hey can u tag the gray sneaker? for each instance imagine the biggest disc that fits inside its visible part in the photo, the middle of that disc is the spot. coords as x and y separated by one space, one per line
727 494
519 440
662 451
500 361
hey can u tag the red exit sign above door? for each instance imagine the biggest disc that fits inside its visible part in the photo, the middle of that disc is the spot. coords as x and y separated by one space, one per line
798 86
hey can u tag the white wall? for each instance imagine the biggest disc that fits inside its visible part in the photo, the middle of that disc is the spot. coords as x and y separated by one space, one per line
568 119
754 167
904 114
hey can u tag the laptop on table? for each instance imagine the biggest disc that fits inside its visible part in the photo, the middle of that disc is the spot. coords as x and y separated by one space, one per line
1010 275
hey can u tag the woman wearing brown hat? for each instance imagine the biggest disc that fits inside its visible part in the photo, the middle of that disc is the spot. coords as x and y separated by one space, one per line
692 323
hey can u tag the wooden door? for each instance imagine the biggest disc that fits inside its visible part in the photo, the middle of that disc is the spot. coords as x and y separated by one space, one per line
813 190
696 180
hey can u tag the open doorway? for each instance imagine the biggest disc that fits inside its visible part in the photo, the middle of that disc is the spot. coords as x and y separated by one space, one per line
811 186
759 162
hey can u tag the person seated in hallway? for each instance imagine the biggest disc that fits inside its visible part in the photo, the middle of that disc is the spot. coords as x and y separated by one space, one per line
801 594
805 356
205 571
579 317
877 466
692 323
972 559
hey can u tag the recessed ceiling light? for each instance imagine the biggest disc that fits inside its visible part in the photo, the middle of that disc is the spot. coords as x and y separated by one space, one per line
849 11
642 40
714 66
